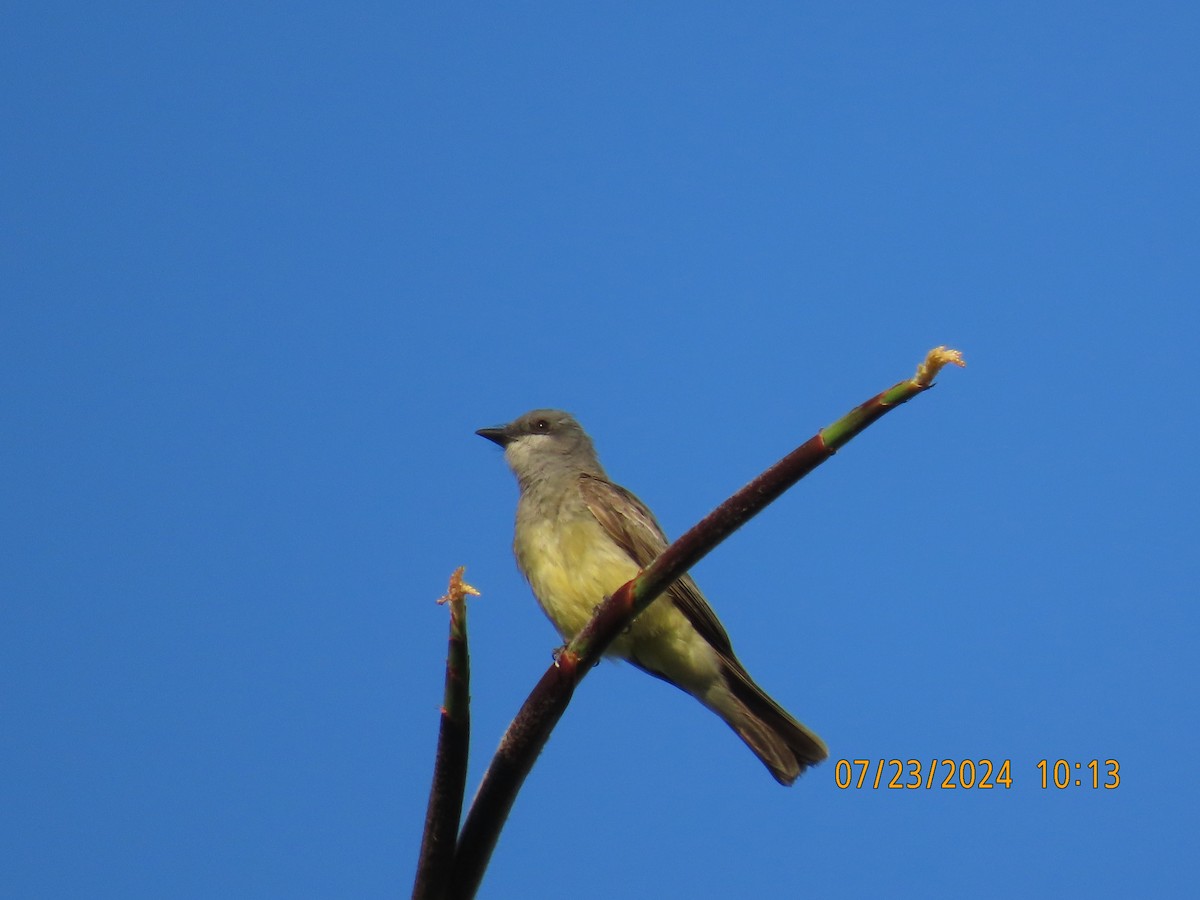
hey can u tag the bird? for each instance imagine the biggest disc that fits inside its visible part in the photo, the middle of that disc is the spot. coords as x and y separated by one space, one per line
580 536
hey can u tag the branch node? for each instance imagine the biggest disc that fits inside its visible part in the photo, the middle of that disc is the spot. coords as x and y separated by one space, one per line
566 660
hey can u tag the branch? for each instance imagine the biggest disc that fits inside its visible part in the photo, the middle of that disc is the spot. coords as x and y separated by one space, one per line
444 811
529 731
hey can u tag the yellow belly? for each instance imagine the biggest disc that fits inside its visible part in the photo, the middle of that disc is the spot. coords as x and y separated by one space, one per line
572 569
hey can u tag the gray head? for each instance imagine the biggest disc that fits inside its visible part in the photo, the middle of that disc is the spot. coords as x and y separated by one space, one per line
543 444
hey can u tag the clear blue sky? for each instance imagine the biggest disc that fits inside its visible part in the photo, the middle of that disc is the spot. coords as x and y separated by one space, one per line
265 269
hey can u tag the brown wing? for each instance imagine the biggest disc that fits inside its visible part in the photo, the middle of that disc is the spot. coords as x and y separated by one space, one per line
634 528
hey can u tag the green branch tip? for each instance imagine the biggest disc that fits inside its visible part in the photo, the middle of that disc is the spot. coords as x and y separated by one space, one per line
935 359
458 590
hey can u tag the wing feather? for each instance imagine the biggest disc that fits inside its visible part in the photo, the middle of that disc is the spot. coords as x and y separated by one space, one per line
637 532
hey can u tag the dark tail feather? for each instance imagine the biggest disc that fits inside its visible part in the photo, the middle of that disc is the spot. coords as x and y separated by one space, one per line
785 746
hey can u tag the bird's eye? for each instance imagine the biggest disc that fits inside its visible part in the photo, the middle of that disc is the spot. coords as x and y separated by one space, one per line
541 426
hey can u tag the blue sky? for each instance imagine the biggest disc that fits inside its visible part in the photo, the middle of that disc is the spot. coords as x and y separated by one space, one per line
266 269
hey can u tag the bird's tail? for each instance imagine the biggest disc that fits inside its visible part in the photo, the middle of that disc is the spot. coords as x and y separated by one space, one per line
785 746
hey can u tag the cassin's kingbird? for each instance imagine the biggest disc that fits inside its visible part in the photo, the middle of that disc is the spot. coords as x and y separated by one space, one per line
579 537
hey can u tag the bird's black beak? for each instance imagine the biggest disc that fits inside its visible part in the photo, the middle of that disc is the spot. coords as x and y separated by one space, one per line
497 435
